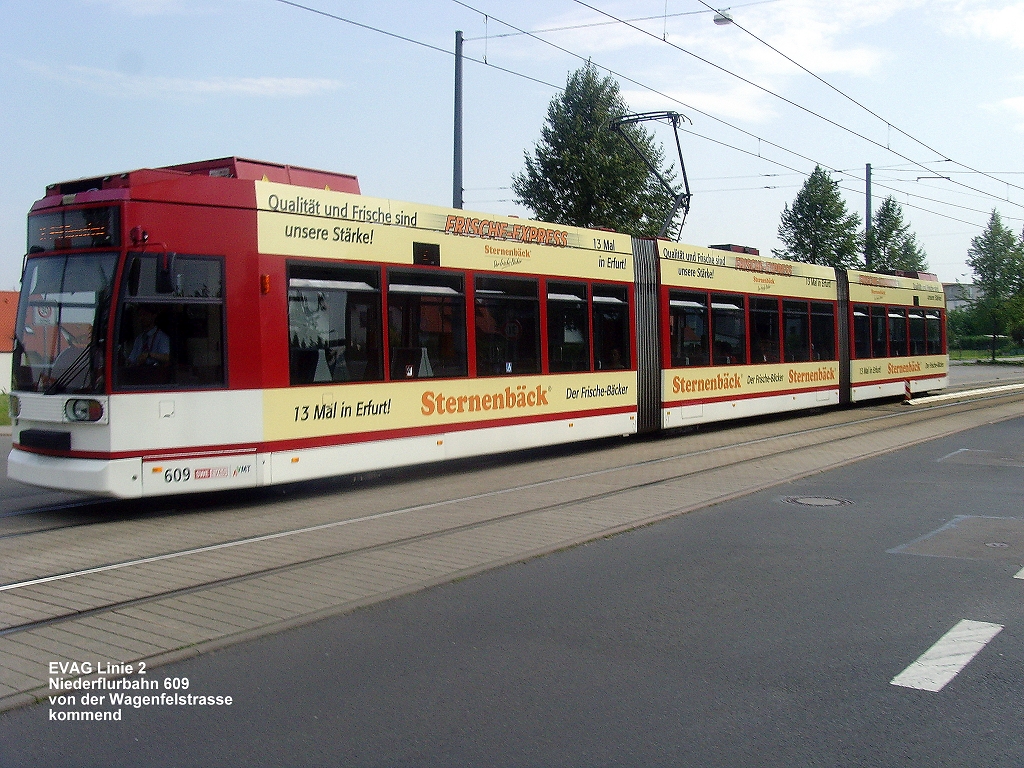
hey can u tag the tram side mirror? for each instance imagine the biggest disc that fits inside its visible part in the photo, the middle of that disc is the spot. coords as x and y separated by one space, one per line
165 273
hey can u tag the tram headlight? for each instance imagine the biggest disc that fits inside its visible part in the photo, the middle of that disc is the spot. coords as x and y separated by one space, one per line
83 410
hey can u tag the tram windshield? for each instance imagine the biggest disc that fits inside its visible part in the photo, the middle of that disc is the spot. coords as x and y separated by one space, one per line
62 316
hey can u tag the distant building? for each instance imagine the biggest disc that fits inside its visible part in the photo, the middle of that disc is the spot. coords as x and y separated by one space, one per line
8 317
960 295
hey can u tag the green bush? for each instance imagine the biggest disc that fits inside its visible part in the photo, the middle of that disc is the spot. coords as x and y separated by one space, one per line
978 342
1016 331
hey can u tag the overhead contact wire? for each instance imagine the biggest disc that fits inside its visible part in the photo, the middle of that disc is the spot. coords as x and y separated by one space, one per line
770 92
871 112
639 84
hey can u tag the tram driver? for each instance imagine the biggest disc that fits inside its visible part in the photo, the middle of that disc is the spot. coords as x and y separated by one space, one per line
152 346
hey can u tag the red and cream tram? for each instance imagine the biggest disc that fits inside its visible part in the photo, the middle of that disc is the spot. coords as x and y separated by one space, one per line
231 324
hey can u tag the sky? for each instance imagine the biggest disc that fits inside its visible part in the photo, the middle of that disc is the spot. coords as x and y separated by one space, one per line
929 92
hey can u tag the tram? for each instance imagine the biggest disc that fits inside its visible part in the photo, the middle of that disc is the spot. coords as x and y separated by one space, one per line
233 323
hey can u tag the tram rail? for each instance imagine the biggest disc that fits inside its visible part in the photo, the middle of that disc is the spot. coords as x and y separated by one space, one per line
33 596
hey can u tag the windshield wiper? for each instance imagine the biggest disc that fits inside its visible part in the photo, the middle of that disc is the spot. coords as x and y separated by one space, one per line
80 364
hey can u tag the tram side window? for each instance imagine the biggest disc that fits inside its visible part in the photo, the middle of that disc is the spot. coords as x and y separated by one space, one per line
171 324
861 332
507 326
764 330
879 335
917 332
568 328
729 345
611 328
334 324
823 332
426 324
688 328
796 331
933 324
897 332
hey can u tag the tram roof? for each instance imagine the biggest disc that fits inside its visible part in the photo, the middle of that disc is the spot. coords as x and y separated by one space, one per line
225 167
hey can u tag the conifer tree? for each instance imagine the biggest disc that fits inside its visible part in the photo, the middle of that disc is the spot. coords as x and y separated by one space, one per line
585 174
891 243
818 229
997 258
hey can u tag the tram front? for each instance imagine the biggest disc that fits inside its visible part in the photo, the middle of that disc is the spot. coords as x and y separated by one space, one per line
59 394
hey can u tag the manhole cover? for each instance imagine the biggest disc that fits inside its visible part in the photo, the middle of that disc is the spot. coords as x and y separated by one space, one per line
817 501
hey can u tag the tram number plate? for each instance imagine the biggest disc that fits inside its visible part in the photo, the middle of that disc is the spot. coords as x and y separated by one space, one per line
188 475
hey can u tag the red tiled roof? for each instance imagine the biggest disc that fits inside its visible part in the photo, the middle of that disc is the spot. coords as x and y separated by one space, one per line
8 317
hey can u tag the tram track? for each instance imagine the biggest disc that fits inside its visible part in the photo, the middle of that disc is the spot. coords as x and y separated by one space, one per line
57 510
104 509
46 589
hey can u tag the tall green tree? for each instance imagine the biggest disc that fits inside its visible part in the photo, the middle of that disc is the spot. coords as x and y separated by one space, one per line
817 228
891 243
997 258
585 174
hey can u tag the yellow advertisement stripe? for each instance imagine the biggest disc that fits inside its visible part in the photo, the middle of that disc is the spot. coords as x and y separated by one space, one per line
717 382
337 225
726 279
893 368
349 409
869 288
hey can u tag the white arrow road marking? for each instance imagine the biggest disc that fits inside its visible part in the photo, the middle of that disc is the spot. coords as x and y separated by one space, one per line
944 660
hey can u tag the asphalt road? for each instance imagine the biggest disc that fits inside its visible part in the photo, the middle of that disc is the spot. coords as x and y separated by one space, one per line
760 632
971 374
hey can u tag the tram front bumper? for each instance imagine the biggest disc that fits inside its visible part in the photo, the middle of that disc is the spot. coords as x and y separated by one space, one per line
104 477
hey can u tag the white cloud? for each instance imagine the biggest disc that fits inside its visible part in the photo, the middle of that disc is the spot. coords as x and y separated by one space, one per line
126 84
1004 22
1014 107
815 34
810 31
839 40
